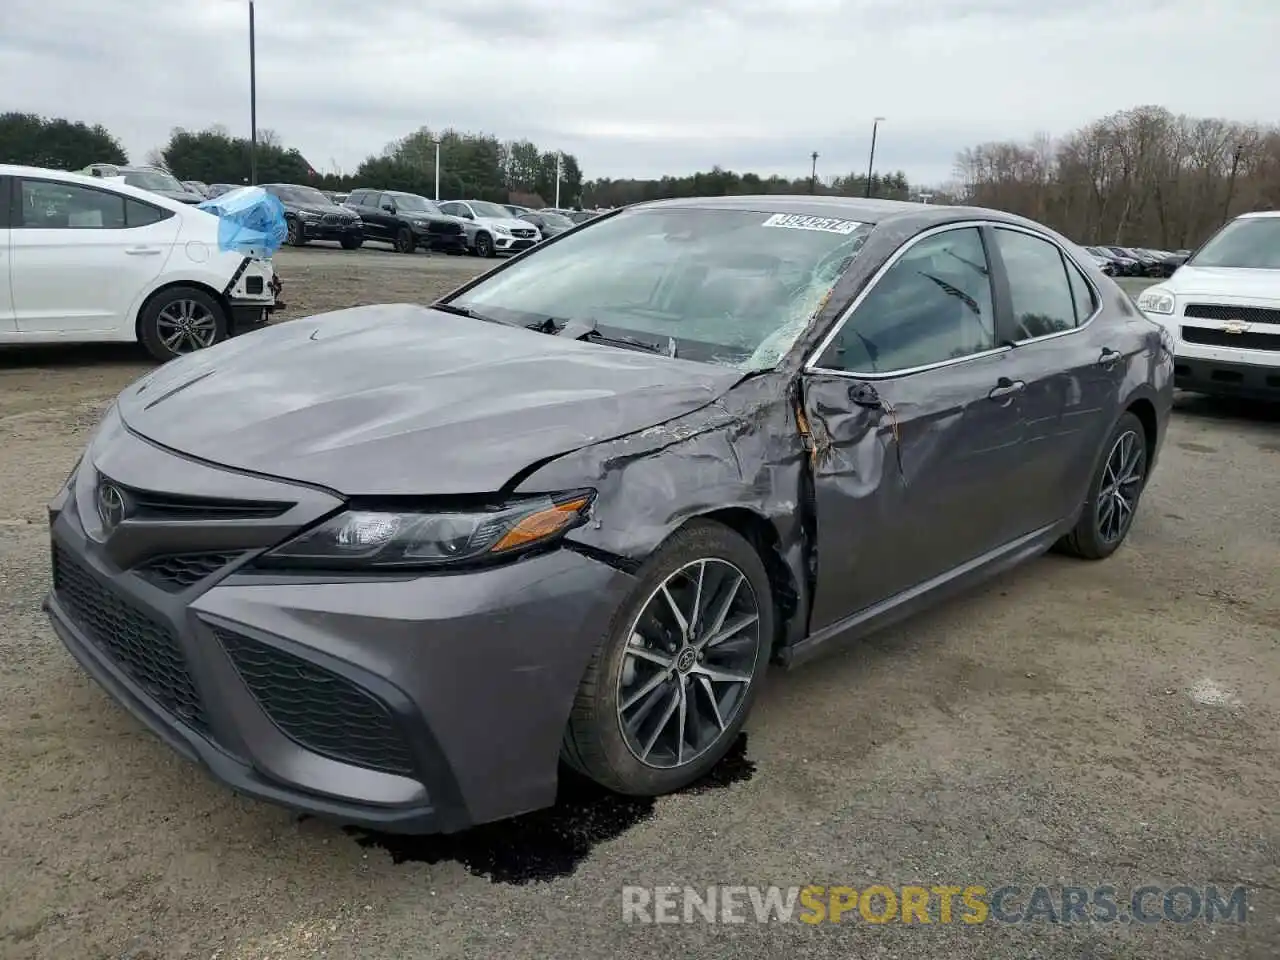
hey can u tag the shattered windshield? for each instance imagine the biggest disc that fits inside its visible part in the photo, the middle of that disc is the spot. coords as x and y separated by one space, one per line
732 287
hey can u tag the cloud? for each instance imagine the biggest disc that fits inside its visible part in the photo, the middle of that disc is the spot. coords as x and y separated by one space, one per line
645 87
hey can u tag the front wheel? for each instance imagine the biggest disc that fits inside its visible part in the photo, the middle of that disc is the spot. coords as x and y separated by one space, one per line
295 237
670 687
484 245
404 242
1113 495
352 243
179 321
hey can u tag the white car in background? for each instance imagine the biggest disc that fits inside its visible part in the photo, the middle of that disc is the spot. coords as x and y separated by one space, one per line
490 227
1223 309
86 259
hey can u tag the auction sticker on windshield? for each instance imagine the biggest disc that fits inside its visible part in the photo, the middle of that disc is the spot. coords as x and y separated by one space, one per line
793 221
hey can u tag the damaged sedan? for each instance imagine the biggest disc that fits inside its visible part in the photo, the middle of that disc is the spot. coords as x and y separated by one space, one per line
392 565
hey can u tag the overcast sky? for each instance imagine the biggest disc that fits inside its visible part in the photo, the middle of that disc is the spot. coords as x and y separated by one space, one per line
638 88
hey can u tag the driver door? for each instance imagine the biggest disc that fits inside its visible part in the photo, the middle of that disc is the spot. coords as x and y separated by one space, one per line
914 415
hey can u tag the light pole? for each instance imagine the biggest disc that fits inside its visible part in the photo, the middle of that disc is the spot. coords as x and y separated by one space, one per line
559 160
871 164
813 173
253 101
437 143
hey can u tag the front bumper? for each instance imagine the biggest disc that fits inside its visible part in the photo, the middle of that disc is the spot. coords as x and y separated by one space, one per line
410 704
316 230
512 244
1230 378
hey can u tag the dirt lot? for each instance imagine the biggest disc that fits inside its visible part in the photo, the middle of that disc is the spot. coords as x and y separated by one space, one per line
1073 723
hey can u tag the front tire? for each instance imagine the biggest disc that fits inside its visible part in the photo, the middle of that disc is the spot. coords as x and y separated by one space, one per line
671 685
484 245
1114 494
179 321
404 242
295 237
352 243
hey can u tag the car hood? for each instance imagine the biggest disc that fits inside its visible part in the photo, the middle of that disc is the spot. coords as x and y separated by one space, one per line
317 208
1224 282
511 223
399 399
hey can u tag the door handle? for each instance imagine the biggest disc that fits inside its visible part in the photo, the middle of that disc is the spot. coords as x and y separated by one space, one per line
1108 358
1006 388
142 251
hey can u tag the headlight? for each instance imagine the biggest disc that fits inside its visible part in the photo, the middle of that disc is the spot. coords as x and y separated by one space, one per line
308 215
383 539
1155 300
502 231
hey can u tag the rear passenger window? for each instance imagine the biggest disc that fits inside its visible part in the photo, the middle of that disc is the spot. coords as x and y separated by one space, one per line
1081 293
1038 284
139 214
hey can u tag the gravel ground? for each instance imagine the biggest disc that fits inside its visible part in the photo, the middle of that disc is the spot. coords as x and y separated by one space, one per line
1070 724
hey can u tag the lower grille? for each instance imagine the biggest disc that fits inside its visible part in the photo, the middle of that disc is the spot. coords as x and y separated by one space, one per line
142 647
322 711
180 571
1222 311
1251 340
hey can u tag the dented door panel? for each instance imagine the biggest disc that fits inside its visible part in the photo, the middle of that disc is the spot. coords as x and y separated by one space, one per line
909 478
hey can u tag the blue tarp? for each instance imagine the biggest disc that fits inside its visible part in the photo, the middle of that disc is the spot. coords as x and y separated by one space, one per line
250 221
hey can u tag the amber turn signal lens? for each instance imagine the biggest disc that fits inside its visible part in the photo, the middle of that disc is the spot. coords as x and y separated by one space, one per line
540 525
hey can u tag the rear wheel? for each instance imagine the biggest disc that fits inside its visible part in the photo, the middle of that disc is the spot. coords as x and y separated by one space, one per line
668 690
181 320
1113 495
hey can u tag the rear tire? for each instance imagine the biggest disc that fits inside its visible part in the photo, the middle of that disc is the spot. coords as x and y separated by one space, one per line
1114 494
690 690
181 320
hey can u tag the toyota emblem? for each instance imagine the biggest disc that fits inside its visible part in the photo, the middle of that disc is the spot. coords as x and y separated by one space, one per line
112 507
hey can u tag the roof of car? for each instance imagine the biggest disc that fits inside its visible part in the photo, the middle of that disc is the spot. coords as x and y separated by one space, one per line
1258 214
851 208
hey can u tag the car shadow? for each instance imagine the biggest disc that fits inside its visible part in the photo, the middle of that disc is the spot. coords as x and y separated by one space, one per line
72 354
1225 408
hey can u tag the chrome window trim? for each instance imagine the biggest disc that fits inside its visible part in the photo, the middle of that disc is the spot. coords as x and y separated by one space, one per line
812 366
1066 255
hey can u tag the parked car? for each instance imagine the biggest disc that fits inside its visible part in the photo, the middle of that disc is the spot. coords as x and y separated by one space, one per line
313 216
197 187
1222 308
574 509
151 179
549 224
407 221
93 259
1127 264
516 210
218 189
490 229
582 216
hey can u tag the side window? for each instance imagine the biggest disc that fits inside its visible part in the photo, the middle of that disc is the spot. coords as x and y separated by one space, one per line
355 198
1038 284
449 207
1081 293
49 205
139 214
934 304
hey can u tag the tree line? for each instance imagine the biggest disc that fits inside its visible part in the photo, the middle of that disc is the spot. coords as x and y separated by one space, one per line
1138 177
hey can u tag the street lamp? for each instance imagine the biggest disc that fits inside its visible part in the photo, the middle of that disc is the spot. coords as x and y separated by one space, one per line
813 173
437 143
871 164
253 102
559 162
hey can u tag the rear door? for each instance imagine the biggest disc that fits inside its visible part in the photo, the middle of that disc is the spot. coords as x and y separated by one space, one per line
917 424
1073 368
8 324
79 256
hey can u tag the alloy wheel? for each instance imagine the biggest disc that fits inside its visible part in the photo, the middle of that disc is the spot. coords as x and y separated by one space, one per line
1122 477
185 326
689 662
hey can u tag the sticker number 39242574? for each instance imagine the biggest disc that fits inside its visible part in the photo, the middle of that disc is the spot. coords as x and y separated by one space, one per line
794 221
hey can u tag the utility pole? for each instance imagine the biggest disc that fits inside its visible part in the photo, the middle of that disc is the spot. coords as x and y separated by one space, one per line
871 164
437 143
253 101
559 160
813 175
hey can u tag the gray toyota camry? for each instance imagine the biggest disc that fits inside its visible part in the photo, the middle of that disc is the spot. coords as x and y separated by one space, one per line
392 565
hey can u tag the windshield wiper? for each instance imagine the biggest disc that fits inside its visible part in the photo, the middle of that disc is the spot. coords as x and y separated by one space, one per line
468 312
587 331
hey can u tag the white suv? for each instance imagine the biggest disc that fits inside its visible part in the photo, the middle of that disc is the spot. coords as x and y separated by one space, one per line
1223 309
491 229
90 259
